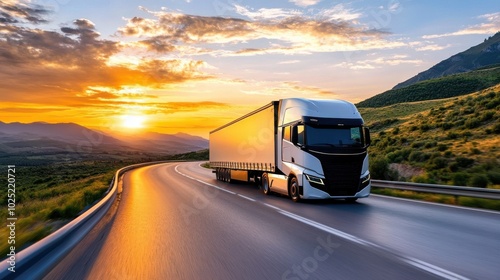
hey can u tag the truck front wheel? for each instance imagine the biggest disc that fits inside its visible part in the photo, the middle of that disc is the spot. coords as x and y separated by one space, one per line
265 184
293 189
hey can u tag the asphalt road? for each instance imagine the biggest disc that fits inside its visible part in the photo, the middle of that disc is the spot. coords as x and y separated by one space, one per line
175 221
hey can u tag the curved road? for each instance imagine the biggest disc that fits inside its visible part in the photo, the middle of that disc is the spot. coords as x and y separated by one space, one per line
175 221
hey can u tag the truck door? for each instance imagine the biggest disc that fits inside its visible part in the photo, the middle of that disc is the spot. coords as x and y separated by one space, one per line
287 144
293 139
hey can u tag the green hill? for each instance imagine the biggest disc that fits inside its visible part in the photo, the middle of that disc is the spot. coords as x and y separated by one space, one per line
445 87
449 141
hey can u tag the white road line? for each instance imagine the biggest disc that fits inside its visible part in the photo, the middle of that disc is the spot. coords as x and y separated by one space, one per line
246 197
272 206
326 228
198 180
434 269
411 261
438 271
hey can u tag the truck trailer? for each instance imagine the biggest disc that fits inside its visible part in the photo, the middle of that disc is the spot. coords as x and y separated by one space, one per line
303 148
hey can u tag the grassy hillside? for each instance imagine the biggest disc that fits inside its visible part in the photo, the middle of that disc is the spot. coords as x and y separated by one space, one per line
445 87
450 141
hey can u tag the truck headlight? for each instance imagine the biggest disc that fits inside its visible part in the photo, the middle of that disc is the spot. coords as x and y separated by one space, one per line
314 179
365 179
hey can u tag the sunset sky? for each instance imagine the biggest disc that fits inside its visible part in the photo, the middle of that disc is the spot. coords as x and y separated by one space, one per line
191 65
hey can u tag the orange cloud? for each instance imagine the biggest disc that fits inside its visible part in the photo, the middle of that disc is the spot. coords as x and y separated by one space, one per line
290 32
48 66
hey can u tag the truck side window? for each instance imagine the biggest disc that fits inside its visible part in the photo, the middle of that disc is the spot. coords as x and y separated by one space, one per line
286 133
300 135
355 135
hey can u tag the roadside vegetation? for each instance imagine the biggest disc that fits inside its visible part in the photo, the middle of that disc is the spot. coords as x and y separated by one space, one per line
452 141
472 202
48 196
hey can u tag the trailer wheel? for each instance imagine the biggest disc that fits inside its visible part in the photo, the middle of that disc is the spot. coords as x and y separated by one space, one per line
265 184
217 174
293 189
228 175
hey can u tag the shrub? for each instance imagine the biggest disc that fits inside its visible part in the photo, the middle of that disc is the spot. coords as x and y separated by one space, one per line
496 128
425 127
446 125
438 163
452 135
418 156
472 123
442 147
379 167
464 162
430 144
460 179
494 177
488 115
479 181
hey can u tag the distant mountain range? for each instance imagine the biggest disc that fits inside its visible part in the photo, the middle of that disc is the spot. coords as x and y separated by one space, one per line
484 54
39 138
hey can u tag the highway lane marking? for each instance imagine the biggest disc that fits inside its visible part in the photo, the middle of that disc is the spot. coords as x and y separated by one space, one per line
433 269
203 182
272 206
246 197
411 261
438 271
326 228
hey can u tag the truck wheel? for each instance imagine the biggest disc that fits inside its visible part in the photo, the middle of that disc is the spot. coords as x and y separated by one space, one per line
228 175
265 184
217 174
293 189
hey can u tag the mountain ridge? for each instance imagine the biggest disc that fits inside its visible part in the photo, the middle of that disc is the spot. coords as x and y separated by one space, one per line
41 138
483 54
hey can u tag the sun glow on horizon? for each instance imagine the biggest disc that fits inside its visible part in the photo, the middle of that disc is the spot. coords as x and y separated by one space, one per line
133 121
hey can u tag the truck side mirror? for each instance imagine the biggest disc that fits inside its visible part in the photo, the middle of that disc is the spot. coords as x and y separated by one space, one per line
367 136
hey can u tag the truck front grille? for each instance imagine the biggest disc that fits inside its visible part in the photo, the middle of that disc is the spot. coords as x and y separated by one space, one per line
342 173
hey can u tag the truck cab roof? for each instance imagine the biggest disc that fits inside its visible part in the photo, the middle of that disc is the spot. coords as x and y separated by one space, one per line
294 109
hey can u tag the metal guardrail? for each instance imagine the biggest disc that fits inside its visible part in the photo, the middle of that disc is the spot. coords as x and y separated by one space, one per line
38 259
439 189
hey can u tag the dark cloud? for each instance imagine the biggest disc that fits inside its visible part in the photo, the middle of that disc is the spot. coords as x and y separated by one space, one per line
20 12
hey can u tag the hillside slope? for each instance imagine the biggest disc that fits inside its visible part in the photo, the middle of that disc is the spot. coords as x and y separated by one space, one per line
484 54
449 86
452 141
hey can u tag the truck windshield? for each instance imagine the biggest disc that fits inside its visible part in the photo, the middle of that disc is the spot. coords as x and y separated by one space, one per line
334 136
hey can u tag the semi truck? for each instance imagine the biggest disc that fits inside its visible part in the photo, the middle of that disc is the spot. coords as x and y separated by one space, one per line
302 148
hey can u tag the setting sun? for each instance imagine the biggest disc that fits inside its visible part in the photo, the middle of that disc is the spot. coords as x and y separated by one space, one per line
133 121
